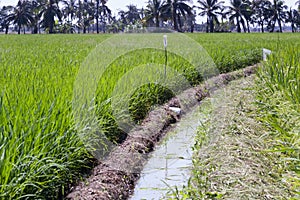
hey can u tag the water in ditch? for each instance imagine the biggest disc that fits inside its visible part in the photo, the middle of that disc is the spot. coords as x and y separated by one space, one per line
171 162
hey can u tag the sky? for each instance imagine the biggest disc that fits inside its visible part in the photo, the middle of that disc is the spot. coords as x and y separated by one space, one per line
116 5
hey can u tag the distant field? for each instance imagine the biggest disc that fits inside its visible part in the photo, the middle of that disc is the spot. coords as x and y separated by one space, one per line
40 152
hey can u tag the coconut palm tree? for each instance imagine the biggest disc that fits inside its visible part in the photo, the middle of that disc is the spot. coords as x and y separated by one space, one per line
152 12
223 12
292 17
21 15
49 10
247 12
174 10
79 15
36 6
210 8
70 9
278 14
87 14
237 8
132 14
97 15
261 12
103 12
4 22
122 19
297 22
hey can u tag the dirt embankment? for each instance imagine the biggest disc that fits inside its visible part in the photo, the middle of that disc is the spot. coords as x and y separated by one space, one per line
115 177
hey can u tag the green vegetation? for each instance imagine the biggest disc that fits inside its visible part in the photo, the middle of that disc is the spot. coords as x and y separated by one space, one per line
256 130
40 153
231 157
278 95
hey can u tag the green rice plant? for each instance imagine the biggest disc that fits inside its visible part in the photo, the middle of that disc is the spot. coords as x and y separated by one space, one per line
41 155
142 98
278 96
145 97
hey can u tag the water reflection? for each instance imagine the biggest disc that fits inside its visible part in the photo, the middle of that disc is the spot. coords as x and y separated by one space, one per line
170 164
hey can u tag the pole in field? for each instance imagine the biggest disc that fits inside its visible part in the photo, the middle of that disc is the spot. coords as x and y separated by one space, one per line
166 54
266 53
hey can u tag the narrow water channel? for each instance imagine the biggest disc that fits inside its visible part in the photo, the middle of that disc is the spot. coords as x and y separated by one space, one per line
171 162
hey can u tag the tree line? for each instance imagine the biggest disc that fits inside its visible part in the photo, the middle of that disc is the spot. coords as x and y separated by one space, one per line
84 16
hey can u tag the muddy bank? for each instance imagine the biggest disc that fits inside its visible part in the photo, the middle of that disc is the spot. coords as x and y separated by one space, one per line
115 177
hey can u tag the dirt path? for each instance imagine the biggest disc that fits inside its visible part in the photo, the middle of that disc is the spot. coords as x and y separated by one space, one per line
235 163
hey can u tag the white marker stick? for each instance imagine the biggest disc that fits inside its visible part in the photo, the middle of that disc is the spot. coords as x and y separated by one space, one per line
166 54
165 41
266 53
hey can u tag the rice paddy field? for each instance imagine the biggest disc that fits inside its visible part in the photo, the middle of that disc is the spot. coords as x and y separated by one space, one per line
41 154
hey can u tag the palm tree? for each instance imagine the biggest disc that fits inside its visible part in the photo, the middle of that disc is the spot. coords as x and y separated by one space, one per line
261 12
223 12
292 17
79 15
50 10
4 22
153 11
87 14
297 22
122 20
105 13
237 8
97 15
210 8
175 9
36 6
70 9
132 15
247 12
278 14
21 15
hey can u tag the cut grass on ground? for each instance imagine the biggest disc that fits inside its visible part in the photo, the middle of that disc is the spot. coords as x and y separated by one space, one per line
234 162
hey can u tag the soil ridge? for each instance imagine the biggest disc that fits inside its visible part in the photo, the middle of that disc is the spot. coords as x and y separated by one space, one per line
107 181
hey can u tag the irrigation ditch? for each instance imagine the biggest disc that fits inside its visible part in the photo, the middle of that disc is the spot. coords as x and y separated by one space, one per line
106 182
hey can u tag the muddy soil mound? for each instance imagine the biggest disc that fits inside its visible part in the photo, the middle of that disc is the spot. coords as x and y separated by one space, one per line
115 177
